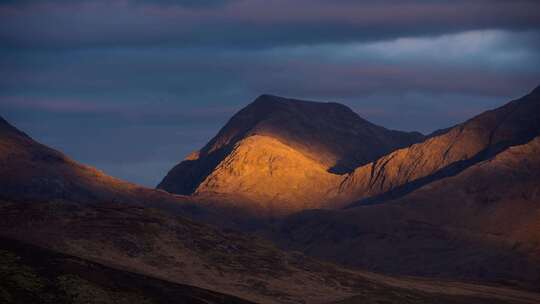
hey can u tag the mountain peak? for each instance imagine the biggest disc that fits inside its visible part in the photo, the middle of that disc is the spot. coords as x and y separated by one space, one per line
299 123
324 136
279 102
268 98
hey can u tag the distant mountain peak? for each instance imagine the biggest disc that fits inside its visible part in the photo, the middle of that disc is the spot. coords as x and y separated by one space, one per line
278 102
327 137
269 106
271 99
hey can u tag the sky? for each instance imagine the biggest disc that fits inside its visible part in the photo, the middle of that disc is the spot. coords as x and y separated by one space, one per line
133 86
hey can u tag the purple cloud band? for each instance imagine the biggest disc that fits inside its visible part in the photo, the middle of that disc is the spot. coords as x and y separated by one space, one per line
252 23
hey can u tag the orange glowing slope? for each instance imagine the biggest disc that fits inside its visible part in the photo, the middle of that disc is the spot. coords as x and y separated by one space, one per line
447 154
279 156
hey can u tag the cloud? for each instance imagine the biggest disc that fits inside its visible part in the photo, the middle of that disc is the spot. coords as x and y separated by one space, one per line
255 23
154 80
210 77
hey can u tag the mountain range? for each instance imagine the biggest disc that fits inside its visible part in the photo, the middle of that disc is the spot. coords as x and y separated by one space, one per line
345 211
279 156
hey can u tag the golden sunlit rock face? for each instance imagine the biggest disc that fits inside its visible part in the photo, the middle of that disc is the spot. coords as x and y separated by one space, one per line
270 177
279 156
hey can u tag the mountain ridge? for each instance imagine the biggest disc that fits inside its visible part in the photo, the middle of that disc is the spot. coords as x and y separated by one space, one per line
246 178
447 154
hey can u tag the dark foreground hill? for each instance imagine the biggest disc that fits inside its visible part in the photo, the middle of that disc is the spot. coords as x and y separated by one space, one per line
31 274
180 251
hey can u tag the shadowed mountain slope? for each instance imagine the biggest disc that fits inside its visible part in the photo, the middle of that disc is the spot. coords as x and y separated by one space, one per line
30 171
482 224
325 137
34 171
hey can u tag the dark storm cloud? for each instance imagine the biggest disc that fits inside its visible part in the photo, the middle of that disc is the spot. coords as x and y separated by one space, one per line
490 63
133 86
254 23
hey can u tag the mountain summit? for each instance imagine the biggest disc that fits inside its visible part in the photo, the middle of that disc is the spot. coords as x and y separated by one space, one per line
279 150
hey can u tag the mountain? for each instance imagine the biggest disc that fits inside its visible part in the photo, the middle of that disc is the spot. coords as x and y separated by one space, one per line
482 224
30 171
460 205
447 153
34 171
65 243
283 155
280 156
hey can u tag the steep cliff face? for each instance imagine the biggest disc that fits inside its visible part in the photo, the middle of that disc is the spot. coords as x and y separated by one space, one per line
481 224
321 141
